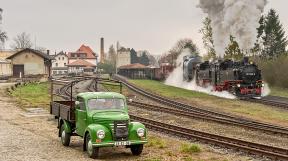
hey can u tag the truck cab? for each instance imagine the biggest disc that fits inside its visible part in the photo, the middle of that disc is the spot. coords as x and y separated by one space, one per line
102 120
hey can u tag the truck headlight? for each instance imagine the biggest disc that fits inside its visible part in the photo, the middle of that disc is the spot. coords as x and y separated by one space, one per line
140 132
263 84
238 85
101 134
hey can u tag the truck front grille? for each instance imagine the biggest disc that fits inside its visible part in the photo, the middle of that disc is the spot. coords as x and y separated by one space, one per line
120 130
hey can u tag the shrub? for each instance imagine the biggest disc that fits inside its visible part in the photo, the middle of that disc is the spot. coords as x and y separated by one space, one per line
156 142
274 71
190 148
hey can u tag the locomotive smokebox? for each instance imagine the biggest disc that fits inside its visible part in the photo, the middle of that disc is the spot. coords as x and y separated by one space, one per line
246 60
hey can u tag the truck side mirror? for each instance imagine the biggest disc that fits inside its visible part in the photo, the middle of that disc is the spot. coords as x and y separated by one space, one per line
77 103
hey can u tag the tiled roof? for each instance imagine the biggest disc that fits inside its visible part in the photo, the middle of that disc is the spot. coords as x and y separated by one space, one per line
43 55
133 66
82 63
85 49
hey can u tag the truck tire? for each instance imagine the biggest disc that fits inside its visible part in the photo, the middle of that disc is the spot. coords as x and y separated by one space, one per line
136 149
65 137
93 152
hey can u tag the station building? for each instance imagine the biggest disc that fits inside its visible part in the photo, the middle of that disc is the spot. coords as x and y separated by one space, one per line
29 62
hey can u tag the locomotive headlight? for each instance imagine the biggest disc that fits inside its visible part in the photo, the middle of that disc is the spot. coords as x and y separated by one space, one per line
238 85
140 132
101 134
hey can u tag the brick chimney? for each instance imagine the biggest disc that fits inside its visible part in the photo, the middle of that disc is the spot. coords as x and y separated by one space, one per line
102 50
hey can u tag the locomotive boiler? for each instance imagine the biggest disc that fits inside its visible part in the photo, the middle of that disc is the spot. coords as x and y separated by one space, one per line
241 78
189 66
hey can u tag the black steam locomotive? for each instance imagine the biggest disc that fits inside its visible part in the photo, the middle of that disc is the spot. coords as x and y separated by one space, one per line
241 78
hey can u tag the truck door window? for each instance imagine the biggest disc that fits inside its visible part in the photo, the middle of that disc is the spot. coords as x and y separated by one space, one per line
81 104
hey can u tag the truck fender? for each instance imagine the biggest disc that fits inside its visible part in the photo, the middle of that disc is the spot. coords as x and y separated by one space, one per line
67 126
133 127
92 130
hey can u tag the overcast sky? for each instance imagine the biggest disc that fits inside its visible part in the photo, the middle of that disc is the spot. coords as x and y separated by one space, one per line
153 25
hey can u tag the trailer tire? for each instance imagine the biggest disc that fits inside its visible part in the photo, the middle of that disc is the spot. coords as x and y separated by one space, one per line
65 137
136 149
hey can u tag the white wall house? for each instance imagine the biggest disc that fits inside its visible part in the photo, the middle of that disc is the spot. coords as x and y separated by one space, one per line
123 57
59 64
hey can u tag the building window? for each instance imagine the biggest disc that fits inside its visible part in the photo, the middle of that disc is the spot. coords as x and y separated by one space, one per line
59 58
62 58
64 64
56 64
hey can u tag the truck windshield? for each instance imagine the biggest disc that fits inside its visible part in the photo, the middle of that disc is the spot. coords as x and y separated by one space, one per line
105 104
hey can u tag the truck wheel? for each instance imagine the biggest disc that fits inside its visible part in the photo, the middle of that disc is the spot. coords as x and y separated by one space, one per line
93 152
136 149
65 137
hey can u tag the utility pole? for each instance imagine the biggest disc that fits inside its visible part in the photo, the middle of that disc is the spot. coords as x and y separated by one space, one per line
116 61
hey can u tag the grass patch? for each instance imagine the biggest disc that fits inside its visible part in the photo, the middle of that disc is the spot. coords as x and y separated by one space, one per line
153 159
277 91
156 142
188 159
112 87
190 148
33 95
168 91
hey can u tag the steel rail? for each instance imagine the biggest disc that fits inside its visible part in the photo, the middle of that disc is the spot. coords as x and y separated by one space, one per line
274 153
190 114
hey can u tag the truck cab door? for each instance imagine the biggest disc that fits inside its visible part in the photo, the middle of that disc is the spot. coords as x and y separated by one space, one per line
81 117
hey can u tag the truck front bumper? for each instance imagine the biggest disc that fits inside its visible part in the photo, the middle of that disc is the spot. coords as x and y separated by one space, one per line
119 143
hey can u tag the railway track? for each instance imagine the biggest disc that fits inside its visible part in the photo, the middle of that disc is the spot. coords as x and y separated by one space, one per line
189 114
274 153
271 152
208 114
271 101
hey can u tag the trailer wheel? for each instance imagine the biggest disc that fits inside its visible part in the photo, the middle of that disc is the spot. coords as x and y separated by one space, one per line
136 149
65 137
93 152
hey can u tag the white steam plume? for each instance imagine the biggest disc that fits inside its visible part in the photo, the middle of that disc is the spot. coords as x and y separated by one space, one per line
233 17
176 79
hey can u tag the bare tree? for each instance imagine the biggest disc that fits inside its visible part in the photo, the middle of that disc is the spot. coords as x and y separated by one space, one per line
22 41
3 35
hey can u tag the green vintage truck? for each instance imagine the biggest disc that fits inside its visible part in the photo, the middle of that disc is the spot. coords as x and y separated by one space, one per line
101 119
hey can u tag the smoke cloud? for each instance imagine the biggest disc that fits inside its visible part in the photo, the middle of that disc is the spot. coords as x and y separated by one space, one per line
233 17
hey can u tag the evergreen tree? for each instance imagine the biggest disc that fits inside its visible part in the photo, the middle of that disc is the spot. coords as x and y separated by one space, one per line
112 58
272 41
233 50
208 38
134 57
144 59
